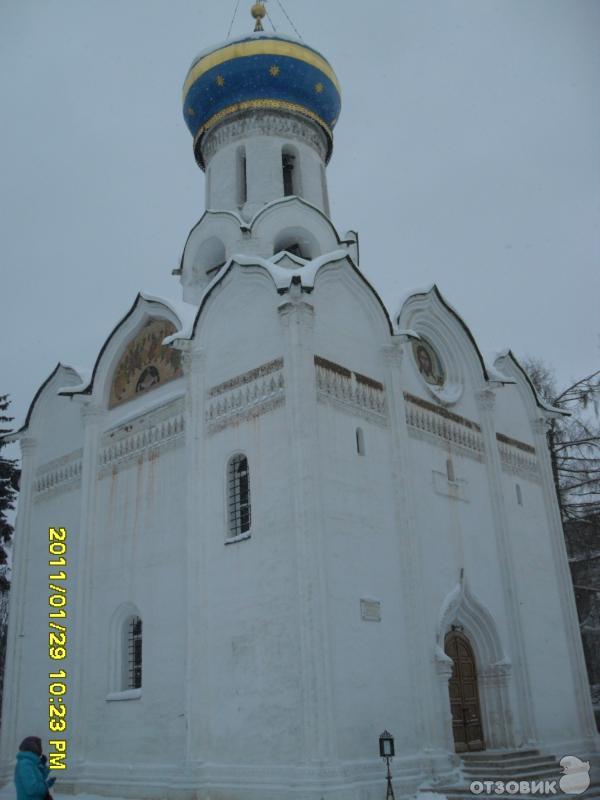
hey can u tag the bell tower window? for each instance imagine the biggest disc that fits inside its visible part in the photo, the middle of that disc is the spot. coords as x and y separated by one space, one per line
289 176
242 181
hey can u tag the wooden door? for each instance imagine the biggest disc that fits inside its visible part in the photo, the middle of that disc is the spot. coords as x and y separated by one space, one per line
464 695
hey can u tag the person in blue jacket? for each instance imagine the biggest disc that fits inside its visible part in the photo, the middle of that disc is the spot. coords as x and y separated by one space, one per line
31 772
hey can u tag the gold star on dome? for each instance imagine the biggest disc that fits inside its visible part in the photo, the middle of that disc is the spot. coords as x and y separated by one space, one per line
274 70
319 87
190 111
220 80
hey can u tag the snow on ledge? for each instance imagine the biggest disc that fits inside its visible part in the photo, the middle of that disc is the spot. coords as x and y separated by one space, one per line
495 374
126 694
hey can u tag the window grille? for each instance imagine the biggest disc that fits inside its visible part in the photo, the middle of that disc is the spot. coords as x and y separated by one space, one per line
134 653
238 491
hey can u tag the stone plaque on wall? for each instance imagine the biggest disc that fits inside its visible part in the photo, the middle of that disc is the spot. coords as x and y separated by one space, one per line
370 610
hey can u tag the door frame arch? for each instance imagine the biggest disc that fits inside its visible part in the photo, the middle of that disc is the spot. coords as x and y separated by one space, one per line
494 670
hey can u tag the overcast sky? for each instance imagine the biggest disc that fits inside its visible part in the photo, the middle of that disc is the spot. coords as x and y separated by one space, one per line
467 153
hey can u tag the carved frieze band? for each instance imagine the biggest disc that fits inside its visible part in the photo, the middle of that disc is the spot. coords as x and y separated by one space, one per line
264 123
350 391
426 420
246 396
141 436
61 473
518 457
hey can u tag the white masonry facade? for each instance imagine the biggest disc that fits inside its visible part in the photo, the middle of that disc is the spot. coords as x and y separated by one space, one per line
293 521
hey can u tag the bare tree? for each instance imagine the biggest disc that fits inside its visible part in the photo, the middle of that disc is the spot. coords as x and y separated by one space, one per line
574 440
9 480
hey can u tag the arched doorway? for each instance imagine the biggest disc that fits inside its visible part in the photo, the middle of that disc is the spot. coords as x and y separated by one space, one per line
464 694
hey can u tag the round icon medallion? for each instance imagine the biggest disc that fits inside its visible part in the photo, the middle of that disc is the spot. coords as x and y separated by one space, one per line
428 363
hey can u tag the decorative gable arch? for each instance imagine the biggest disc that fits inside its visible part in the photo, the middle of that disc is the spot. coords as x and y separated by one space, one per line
133 359
62 375
346 276
447 341
508 363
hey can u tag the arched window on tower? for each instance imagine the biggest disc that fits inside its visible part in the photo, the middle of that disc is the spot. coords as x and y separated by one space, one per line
290 171
238 495
298 241
242 181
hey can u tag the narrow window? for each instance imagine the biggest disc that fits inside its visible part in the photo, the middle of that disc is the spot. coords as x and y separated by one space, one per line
207 195
360 442
325 192
238 491
450 470
241 175
134 652
287 163
519 494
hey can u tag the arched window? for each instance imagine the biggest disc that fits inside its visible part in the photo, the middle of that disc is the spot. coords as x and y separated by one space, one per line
132 653
298 241
289 159
360 442
519 494
209 257
450 470
324 190
241 176
125 653
287 163
238 495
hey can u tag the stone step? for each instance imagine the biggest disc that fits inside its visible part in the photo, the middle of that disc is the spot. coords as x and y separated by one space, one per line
508 764
513 772
501 755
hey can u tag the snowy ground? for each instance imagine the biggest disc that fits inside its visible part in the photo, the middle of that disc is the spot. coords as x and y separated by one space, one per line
8 793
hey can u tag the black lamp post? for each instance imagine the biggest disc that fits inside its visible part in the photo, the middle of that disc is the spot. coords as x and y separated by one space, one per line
386 751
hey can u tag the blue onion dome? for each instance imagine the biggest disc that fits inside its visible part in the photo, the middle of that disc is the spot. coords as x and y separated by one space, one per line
259 71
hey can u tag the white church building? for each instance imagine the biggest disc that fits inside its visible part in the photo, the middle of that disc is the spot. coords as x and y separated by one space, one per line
293 519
